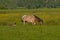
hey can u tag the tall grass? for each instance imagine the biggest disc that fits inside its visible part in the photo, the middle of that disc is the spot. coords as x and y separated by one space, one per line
49 31
49 16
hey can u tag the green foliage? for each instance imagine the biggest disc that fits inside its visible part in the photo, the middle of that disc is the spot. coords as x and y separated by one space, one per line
30 4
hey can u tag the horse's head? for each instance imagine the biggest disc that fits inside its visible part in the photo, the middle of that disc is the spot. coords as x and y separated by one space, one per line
40 21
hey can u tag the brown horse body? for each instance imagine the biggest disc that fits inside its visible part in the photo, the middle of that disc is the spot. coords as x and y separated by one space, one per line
31 18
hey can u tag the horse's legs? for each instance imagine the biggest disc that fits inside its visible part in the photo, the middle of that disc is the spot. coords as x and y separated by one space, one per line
34 23
24 22
41 22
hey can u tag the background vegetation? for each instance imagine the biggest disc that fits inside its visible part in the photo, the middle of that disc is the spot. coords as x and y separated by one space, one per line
30 4
49 16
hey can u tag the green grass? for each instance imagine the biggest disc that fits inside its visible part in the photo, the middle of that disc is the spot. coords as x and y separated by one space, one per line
49 31
30 32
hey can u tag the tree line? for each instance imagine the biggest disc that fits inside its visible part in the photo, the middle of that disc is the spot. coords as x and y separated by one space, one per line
30 4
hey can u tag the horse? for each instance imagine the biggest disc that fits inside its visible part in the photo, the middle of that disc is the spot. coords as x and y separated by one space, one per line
31 18
39 20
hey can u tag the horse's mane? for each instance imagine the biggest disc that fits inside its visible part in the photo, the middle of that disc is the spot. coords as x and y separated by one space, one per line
38 19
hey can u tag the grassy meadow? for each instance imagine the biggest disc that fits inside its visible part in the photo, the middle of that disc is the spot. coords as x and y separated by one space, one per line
50 30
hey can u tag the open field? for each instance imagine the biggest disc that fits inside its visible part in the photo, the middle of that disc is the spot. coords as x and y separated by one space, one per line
50 30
